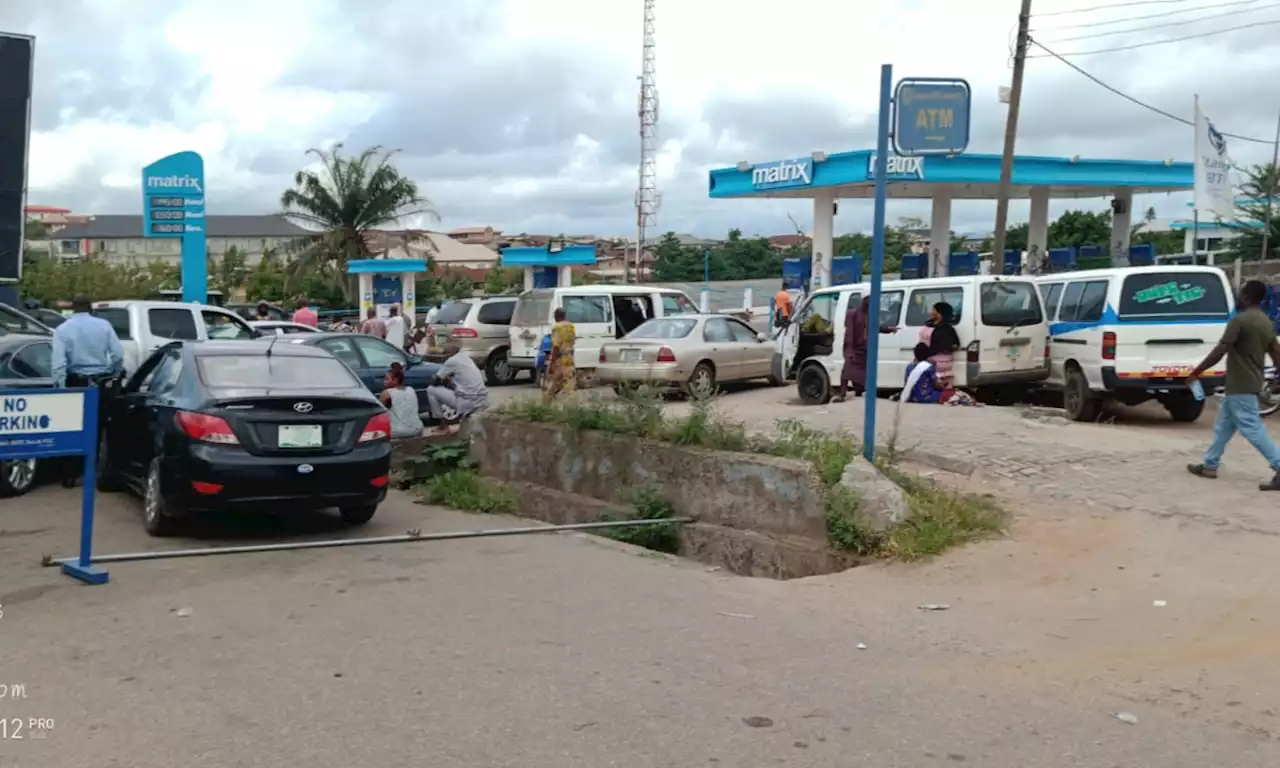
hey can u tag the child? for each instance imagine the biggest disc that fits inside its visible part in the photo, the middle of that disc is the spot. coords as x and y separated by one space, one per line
923 386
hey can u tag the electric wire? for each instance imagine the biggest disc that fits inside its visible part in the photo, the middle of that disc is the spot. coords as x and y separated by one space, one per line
1111 6
1160 15
1180 23
1150 43
1133 99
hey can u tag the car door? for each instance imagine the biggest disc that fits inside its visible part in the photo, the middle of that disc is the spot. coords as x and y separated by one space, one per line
33 361
127 419
1079 333
592 318
756 357
916 319
344 348
720 347
225 326
895 352
378 356
166 324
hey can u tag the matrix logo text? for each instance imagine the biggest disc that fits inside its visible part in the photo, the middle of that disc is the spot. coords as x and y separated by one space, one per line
785 172
174 182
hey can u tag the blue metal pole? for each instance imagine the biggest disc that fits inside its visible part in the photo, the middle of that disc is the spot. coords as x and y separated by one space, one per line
90 475
706 265
877 264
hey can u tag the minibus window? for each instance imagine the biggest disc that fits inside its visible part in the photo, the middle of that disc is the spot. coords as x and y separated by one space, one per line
1173 295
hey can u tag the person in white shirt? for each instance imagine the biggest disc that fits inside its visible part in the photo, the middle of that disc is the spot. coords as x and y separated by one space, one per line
433 313
395 328
460 390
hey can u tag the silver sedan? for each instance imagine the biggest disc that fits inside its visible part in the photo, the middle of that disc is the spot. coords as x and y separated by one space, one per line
693 353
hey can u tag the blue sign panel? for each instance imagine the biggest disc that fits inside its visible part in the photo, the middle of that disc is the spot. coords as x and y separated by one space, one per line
37 424
387 290
783 174
931 116
173 201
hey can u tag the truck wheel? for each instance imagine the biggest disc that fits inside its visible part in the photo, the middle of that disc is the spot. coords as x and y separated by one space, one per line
1184 407
814 385
1078 399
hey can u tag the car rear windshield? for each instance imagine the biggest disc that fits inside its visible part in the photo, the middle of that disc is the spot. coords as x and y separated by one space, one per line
1174 294
453 312
663 328
278 372
119 319
1010 304
533 309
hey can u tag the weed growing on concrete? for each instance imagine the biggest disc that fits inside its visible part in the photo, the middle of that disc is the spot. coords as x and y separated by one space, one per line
467 490
649 505
940 518
846 529
829 452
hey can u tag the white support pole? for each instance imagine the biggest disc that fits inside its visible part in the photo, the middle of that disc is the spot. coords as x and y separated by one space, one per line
408 287
704 301
564 277
940 233
366 294
528 278
747 295
1037 229
823 236
1121 218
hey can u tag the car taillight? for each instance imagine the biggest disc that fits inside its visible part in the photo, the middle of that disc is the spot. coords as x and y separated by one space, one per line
380 481
378 428
464 333
665 355
971 352
1108 346
602 358
206 428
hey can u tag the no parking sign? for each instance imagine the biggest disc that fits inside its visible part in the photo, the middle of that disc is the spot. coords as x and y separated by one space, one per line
51 423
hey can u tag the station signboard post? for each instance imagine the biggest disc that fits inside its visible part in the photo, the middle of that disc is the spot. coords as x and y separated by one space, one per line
55 423
173 201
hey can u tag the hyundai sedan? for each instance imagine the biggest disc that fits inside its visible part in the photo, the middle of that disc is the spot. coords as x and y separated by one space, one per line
243 425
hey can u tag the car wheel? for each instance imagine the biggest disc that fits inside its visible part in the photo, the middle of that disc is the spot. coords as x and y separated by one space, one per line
107 481
702 382
814 385
17 476
157 515
1078 399
357 515
497 369
1184 408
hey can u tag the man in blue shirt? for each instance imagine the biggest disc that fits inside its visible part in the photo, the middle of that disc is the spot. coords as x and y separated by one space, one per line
86 352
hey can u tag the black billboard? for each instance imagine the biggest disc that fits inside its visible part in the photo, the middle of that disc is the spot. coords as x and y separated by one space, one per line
17 56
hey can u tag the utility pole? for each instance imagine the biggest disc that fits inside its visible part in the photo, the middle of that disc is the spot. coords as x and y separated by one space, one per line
647 199
1010 136
1273 184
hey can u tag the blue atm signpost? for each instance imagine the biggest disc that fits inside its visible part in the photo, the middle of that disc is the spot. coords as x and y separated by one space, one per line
925 116
173 199
51 423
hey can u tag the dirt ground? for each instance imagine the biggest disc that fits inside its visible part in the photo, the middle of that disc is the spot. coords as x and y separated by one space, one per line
565 650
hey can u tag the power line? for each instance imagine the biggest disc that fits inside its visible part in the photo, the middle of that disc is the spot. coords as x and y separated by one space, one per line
1132 99
1112 6
1181 23
1136 46
1159 15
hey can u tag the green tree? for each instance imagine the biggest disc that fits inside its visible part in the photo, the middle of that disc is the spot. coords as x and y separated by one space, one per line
498 280
229 273
266 281
51 279
1077 228
1259 207
341 203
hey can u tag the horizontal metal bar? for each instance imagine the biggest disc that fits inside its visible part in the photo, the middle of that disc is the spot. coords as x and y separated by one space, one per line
331 543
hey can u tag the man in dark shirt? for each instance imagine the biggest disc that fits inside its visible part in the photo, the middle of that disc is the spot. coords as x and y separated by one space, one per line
1248 339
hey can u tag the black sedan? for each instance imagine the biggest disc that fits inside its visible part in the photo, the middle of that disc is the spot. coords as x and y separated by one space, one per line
370 358
26 362
243 425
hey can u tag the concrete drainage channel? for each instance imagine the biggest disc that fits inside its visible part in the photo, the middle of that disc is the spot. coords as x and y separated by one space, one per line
750 514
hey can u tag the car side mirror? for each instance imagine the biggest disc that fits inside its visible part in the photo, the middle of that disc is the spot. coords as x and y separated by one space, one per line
762 337
413 359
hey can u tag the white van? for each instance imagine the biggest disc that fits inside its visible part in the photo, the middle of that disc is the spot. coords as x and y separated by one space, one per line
1004 336
1134 333
599 313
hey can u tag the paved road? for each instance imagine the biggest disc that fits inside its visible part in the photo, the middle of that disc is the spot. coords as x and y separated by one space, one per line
564 651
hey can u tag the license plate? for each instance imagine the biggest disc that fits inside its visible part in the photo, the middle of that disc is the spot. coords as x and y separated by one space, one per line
301 436
630 355
441 338
434 350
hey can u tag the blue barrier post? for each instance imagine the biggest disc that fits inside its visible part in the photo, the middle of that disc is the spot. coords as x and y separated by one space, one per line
54 423
772 309
877 265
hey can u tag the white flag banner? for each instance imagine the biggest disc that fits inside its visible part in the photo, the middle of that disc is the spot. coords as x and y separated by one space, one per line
1214 194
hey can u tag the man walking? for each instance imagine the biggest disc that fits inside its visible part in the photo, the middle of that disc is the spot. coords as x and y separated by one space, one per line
373 325
1248 339
86 353
395 328
305 315
782 305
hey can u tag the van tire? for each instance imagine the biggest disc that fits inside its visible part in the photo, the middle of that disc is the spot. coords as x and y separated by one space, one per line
814 385
497 369
1184 407
1078 399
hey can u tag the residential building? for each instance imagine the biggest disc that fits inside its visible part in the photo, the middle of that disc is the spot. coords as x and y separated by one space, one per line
486 236
786 242
118 239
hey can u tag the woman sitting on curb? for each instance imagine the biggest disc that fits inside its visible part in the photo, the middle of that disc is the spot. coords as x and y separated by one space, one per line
923 385
402 404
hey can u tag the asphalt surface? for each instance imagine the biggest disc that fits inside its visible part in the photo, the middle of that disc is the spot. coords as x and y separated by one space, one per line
562 650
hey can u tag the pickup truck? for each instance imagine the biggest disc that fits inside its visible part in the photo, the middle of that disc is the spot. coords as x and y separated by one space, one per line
145 326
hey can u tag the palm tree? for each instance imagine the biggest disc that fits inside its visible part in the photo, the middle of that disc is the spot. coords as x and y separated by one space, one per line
342 202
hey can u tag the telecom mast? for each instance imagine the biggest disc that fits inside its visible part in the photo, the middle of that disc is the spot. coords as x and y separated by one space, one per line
647 193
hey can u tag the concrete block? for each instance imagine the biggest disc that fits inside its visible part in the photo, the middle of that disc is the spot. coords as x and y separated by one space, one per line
884 503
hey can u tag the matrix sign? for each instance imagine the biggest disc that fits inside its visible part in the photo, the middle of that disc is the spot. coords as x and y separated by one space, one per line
173 199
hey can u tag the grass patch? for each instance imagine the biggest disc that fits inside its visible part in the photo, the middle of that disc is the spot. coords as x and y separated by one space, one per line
829 452
940 518
649 505
467 490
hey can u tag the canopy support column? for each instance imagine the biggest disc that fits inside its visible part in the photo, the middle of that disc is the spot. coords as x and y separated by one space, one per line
940 233
824 221
1037 231
1121 219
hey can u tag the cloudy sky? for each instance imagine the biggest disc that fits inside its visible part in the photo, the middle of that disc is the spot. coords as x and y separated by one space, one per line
521 114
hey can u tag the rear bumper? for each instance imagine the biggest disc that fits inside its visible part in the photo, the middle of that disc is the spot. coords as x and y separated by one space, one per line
665 374
278 483
1112 381
976 377
521 363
